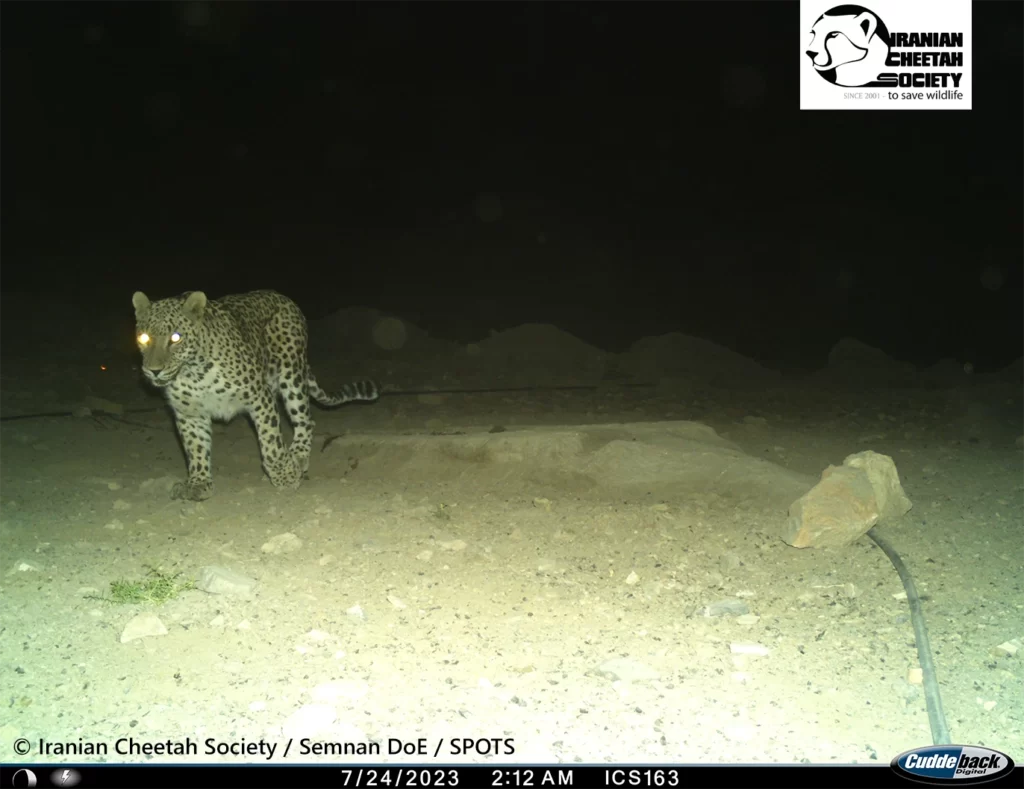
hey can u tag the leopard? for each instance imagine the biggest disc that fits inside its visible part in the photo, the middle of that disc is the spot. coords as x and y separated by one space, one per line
217 358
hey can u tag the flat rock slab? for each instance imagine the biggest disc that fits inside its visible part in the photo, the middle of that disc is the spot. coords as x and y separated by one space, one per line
618 458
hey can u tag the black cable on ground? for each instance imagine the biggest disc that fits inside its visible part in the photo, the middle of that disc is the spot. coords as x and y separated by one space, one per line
936 717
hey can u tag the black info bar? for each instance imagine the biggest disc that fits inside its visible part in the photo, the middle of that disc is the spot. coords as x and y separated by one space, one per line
515 776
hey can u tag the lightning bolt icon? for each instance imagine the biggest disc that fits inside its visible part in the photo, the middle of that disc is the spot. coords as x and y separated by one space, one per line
64 776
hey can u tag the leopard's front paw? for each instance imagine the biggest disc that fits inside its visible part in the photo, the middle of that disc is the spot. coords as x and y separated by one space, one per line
192 490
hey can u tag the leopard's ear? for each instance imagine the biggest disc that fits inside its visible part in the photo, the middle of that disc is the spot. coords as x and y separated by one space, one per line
195 306
141 302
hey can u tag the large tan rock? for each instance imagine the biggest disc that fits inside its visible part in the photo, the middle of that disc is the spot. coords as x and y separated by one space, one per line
885 480
847 502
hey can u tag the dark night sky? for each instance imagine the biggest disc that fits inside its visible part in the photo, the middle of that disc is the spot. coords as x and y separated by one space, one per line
651 165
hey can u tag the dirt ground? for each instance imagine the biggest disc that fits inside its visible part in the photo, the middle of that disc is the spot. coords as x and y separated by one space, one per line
531 563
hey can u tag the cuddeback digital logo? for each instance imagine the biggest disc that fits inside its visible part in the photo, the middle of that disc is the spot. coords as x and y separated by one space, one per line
952 764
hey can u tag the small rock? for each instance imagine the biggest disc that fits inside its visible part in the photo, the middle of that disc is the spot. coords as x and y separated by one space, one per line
396 602
309 720
219 580
626 670
748 619
142 626
1007 648
738 648
730 606
916 676
23 567
282 543
632 579
356 612
453 545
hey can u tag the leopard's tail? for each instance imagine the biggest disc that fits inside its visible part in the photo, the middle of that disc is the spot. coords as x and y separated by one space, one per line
357 390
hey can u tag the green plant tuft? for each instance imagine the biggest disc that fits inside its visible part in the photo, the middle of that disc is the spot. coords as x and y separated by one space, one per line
156 588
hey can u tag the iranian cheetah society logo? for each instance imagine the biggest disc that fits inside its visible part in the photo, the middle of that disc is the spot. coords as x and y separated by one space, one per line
897 54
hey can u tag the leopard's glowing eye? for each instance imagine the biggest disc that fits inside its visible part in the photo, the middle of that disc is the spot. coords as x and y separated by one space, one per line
143 339
175 337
